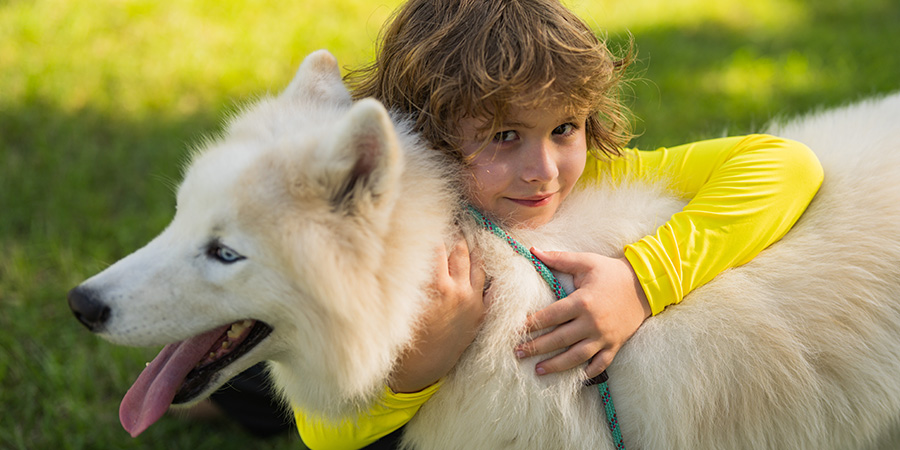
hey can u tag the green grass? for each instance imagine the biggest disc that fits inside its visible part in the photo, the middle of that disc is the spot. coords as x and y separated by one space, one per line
99 102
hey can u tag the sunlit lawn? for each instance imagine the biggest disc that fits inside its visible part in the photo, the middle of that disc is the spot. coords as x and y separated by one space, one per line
100 101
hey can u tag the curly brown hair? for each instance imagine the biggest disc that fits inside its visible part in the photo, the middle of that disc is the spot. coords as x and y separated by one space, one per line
443 60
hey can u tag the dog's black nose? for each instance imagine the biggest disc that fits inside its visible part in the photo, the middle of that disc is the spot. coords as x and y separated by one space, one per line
88 310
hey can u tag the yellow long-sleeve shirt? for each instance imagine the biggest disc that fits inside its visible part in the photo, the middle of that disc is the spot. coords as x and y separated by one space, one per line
745 193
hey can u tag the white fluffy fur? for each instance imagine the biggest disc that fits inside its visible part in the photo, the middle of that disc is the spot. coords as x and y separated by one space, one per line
800 348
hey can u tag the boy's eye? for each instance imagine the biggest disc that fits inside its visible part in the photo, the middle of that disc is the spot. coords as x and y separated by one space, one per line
505 136
564 129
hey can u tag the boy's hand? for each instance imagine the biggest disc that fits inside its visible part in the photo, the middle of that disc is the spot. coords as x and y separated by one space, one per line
449 324
605 310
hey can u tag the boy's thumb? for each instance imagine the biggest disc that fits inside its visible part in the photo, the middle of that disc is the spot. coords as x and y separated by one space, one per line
561 261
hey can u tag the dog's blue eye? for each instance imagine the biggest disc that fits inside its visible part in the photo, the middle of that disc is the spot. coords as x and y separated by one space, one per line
223 253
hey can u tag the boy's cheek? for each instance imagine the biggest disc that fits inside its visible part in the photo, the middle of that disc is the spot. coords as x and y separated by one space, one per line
475 190
486 178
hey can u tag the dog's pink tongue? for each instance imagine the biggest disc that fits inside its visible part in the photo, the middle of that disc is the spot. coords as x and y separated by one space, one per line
153 391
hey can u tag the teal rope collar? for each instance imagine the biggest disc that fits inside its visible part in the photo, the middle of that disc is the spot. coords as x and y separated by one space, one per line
601 381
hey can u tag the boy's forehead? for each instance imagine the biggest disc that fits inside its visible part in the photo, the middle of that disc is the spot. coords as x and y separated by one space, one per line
527 114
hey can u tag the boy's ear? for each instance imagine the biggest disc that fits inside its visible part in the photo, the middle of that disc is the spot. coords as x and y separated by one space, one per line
367 144
318 79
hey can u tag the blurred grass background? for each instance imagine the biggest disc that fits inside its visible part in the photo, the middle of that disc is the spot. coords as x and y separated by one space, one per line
100 100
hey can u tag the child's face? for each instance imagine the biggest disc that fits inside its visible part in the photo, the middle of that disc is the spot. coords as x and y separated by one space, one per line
529 167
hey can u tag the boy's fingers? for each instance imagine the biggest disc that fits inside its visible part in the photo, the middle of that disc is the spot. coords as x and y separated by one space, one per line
556 313
458 261
567 262
573 357
598 364
476 270
463 262
441 268
440 256
552 315
558 339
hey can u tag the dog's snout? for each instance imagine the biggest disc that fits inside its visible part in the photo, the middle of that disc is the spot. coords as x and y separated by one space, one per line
87 308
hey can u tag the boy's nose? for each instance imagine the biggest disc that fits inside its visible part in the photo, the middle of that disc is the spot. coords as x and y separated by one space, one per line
540 165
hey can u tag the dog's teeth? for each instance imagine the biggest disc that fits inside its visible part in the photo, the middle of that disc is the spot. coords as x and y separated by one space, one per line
238 328
226 344
146 364
212 354
234 332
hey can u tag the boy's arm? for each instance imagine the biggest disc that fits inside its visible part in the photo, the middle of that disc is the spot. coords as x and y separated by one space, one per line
390 413
746 193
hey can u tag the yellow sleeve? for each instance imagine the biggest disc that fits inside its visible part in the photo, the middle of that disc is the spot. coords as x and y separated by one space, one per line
745 193
387 415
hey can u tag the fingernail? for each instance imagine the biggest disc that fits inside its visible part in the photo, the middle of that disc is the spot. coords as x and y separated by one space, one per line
520 354
540 370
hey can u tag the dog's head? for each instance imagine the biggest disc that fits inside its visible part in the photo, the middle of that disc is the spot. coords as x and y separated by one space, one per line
275 253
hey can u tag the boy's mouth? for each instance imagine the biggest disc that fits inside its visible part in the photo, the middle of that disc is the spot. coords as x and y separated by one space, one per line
533 201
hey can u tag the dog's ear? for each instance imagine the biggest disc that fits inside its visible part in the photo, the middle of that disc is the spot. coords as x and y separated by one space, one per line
366 142
318 79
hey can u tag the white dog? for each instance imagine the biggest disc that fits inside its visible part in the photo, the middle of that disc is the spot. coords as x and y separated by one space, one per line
304 236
